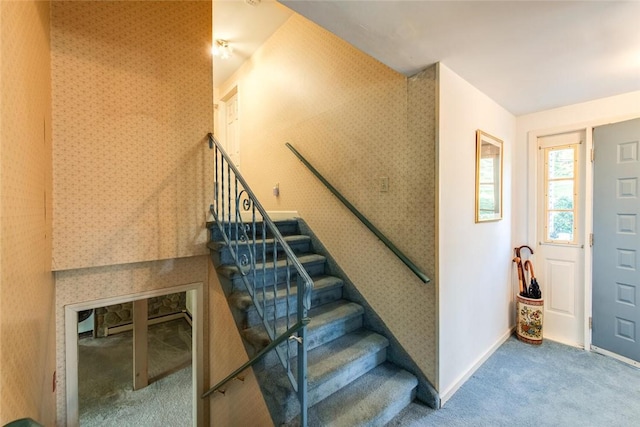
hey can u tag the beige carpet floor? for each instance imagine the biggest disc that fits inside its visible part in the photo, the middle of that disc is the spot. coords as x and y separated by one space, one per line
105 386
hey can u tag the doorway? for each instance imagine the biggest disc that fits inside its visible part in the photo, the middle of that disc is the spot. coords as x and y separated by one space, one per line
140 374
229 131
616 281
560 220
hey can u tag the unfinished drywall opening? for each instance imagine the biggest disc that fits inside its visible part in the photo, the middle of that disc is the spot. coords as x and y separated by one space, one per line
195 293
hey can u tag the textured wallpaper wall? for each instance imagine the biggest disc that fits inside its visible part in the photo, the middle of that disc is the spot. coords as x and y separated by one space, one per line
356 121
27 351
131 108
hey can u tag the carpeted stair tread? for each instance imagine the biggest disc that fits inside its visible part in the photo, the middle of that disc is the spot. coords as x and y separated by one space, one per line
372 400
328 322
320 284
330 367
337 363
295 239
326 289
230 271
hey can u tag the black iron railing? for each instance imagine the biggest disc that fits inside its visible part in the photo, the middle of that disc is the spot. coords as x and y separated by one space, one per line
244 226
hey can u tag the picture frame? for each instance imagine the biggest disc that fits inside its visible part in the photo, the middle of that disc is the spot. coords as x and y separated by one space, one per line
489 171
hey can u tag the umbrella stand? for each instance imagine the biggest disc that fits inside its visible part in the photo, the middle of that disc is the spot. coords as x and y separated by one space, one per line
529 302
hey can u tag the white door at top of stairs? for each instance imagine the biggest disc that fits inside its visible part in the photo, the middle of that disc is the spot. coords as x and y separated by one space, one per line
229 132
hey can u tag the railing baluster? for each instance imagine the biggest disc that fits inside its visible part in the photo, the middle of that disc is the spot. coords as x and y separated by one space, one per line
287 311
222 187
237 203
264 266
215 181
253 246
275 281
229 197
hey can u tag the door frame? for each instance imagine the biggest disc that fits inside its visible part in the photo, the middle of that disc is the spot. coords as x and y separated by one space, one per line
587 223
221 108
197 352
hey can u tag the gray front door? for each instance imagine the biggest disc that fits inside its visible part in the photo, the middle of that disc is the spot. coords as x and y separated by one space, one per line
616 246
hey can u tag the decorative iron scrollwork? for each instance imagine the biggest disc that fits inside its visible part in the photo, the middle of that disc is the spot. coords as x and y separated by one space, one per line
246 201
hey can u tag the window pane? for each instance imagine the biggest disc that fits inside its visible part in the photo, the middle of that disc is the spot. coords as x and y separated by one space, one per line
487 199
560 194
560 226
487 171
560 163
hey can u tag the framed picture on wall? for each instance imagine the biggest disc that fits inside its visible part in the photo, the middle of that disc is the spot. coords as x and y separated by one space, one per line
488 177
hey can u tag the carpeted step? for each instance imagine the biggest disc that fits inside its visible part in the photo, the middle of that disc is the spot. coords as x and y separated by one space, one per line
328 322
314 265
339 362
286 227
330 368
372 400
326 289
300 244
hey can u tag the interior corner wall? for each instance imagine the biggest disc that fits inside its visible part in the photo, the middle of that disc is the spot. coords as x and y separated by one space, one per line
474 277
348 115
27 355
131 110
572 117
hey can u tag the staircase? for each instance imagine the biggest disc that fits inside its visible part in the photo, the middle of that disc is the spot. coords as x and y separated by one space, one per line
350 381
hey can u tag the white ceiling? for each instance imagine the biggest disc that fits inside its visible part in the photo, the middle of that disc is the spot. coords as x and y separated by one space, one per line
246 28
526 55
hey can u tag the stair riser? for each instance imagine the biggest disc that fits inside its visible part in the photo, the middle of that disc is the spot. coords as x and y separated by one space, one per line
401 400
317 299
312 268
225 256
285 228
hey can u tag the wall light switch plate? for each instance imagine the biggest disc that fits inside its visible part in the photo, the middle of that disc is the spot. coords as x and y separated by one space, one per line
384 184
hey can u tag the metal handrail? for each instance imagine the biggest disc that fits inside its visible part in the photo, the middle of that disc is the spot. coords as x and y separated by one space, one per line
226 176
255 359
412 266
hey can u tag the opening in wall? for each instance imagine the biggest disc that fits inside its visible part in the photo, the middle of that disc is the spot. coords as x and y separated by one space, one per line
165 355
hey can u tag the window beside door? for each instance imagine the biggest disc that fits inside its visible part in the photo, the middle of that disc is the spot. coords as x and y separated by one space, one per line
561 193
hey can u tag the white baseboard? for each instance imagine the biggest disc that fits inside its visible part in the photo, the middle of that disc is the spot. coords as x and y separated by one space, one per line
274 215
446 395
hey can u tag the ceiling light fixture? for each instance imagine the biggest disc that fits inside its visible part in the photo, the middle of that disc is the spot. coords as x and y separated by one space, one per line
222 49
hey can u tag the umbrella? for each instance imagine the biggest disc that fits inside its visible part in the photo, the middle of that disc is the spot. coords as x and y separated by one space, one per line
534 288
521 276
521 285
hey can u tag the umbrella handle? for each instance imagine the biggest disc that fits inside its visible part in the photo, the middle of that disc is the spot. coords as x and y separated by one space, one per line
528 265
519 248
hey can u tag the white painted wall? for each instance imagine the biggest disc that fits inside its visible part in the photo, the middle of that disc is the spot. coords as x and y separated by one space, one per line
474 266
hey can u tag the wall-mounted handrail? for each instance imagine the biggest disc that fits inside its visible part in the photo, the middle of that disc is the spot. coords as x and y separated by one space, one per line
285 336
264 273
412 266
